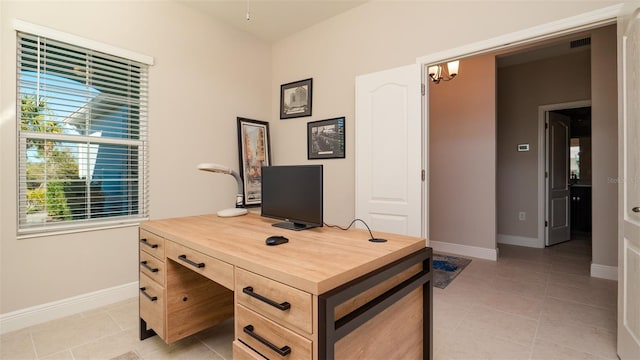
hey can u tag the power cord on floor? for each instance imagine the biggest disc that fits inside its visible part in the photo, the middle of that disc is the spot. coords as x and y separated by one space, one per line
372 239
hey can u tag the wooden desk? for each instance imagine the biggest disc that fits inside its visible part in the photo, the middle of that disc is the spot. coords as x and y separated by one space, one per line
325 294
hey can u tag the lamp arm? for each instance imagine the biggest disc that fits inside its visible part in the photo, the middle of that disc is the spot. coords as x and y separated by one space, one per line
238 180
240 195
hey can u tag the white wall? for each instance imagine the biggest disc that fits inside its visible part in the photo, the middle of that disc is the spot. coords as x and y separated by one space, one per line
205 75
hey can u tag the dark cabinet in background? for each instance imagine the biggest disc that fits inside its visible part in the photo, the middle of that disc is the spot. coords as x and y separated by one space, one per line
580 208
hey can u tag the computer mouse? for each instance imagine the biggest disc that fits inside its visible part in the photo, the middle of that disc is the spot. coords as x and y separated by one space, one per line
276 240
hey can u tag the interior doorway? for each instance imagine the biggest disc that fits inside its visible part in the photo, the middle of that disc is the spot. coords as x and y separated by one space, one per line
568 176
520 219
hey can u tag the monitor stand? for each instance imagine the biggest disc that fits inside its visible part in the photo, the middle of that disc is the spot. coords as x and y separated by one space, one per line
292 226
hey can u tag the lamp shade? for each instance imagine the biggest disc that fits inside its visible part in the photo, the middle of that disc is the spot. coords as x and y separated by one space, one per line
214 168
453 68
434 71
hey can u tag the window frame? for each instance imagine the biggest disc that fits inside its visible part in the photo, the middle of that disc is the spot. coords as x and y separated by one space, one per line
140 144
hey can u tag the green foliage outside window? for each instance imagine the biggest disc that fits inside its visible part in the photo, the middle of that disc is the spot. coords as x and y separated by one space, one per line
46 177
57 206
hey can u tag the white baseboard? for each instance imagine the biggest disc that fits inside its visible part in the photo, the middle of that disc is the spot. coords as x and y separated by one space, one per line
520 241
464 250
604 271
38 314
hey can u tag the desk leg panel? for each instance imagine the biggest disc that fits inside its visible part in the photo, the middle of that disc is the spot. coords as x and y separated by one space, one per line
408 302
396 332
145 332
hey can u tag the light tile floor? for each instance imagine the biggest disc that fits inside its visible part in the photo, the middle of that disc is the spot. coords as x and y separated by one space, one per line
530 304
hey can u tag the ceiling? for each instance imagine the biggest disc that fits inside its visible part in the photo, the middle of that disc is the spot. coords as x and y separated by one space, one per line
545 49
272 20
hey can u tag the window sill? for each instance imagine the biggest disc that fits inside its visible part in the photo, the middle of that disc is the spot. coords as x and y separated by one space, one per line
71 229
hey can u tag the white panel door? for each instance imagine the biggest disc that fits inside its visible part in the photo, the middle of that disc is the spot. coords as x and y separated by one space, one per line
558 205
389 150
629 243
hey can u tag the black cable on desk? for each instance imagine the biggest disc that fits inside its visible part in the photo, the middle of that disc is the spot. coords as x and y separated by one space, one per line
372 239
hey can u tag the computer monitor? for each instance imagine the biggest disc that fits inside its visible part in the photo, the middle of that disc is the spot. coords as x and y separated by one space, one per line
293 193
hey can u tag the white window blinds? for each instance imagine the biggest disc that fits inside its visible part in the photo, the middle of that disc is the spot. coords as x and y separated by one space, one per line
82 135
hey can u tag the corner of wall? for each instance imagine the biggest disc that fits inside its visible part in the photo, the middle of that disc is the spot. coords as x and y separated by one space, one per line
604 272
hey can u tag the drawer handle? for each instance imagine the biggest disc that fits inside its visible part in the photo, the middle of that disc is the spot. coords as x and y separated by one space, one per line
283 351
283 306
144 264
636 209
153 246
143 290
184 258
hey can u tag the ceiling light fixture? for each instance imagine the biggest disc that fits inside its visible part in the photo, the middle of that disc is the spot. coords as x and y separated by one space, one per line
437 73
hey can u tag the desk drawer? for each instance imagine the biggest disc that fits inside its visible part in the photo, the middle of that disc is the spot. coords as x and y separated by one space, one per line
152 267
152 244
270 298
273 338
243 352
152 299
214 269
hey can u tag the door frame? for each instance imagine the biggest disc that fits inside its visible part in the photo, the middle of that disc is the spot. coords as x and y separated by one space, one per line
542 162
589 20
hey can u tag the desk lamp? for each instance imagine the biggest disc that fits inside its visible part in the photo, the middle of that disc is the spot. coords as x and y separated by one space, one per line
239 209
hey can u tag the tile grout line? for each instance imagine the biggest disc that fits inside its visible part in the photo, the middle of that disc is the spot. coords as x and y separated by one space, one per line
535 334
115 321
33 343
523 317
613 308
210 348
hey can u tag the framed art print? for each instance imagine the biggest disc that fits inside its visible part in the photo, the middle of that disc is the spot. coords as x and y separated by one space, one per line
254 153
325 139
295 99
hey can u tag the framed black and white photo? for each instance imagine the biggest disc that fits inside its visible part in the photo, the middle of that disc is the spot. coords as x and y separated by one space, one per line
254 153
295 99
325 139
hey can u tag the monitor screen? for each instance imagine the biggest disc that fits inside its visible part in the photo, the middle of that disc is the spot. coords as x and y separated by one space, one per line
294 194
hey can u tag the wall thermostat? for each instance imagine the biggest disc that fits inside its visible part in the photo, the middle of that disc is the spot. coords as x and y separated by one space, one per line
523 147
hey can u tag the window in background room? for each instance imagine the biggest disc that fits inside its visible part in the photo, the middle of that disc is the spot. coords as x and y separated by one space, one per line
82 135
574 159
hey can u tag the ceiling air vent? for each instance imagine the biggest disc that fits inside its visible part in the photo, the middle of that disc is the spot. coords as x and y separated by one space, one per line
581 42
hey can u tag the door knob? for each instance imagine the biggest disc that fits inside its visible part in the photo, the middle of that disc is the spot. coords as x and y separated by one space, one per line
636 209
